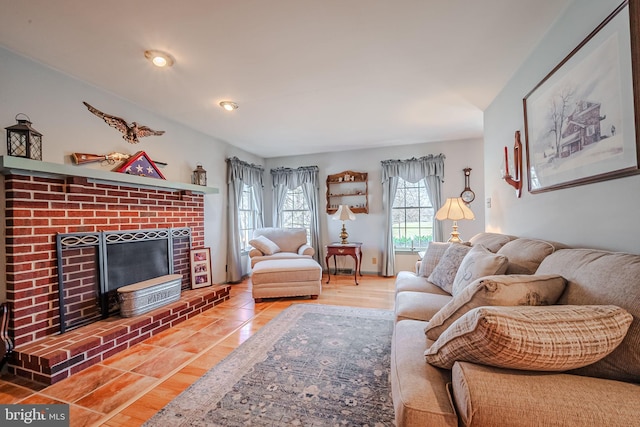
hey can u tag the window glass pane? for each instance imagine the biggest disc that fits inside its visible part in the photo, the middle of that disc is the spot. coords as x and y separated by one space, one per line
295 213
412 200
246 217
412 215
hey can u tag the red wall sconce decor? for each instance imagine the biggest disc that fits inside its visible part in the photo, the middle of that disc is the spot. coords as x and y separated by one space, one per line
514 180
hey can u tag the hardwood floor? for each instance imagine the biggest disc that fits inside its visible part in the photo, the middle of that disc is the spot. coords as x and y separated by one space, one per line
128 388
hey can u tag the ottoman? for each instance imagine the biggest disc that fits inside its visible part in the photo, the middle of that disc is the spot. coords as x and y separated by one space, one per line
277 278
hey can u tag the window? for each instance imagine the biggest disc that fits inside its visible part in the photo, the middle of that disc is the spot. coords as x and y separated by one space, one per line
246 217
295 212
412 217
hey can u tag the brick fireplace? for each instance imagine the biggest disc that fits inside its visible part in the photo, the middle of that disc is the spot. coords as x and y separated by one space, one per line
38 207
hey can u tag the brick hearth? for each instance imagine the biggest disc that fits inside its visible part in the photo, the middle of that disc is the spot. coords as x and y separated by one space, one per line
54 358
39 207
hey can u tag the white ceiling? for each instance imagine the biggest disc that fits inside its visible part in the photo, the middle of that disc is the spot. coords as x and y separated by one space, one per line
310 76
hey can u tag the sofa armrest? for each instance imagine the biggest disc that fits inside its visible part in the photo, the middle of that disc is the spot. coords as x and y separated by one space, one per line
255 252
419 391
306 250
486 395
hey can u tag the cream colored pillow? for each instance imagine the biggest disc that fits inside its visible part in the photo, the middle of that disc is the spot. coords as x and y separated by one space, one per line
444 273
553 338
479 262
432 256
525 255
499 290
264 245
491 241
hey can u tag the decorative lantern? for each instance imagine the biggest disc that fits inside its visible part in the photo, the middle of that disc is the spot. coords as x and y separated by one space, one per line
23 140
199 176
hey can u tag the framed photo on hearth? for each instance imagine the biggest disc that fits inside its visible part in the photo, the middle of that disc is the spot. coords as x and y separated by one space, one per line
580 120
200 268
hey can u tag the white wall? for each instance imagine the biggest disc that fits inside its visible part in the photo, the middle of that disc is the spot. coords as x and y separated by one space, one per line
368 228
600 215
53 101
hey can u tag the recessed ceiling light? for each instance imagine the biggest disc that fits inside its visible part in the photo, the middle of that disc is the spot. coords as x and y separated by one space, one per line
229 106
158 58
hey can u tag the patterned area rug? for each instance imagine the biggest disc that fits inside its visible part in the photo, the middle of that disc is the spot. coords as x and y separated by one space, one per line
312 365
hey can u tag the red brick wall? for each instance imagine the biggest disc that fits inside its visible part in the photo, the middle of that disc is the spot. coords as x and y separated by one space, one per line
38 208
80 277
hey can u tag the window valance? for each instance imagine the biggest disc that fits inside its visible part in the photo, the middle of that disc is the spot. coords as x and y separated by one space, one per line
248 173
413 170
294 178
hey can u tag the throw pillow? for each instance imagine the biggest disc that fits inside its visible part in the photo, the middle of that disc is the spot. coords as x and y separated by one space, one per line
553 338
525 255
491 241
432 256
479 262
264 245
497 290
444 273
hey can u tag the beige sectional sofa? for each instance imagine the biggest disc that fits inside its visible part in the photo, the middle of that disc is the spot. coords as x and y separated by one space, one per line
550 337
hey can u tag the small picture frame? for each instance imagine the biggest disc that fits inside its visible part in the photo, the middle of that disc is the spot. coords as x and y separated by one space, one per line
200 268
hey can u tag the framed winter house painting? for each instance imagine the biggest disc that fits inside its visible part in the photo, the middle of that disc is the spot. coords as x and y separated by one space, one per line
580 120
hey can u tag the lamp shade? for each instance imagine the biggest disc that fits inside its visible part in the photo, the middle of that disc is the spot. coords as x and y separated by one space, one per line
455 209
344 214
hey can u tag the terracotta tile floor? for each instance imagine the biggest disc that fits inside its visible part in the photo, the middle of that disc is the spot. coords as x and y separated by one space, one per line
130 387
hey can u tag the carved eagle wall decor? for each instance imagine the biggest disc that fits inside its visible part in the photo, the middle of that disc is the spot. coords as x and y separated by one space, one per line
131 132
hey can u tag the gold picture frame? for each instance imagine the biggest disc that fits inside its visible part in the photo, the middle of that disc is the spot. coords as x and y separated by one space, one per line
200 268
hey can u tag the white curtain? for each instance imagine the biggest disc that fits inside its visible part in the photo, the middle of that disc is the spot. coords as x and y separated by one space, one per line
428 168
289 179
240 173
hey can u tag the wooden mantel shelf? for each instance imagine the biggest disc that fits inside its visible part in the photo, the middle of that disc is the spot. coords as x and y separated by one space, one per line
10 165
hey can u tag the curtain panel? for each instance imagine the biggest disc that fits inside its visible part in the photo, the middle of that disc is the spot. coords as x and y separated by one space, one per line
241 173
285 179
428 168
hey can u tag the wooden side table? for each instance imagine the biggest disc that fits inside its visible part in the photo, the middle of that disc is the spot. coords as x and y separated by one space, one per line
353 250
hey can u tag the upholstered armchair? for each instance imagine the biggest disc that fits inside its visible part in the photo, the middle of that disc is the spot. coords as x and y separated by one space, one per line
279 243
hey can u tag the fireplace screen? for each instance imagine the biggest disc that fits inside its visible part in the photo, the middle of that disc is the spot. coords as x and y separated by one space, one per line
135 257
92 266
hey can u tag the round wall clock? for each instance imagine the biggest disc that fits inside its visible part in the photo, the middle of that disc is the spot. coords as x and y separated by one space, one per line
467 194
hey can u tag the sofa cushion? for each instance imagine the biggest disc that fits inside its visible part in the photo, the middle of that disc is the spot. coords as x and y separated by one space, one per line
554 338
409 281
286 271
419 390
279 255
446 270
419 305
264 245
602 277
497 290
491 241
478 262
432 256
488 396
525 255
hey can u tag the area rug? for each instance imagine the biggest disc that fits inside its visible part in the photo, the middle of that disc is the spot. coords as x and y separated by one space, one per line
313 365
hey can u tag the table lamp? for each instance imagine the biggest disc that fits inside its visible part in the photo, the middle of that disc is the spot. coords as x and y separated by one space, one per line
454 209
344 214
